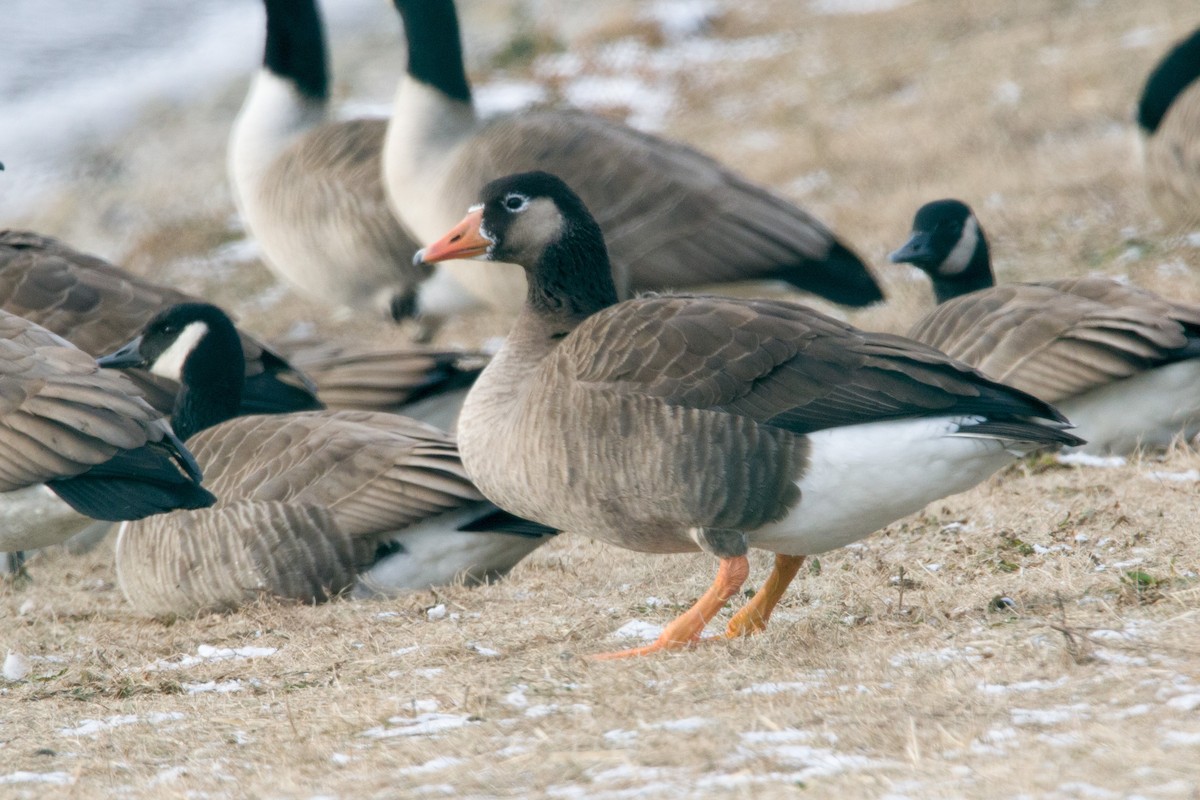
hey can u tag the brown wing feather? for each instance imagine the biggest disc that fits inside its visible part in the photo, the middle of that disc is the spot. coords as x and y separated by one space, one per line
1061 338
375 472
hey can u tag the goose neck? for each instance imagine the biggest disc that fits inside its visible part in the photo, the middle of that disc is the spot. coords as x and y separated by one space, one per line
435 56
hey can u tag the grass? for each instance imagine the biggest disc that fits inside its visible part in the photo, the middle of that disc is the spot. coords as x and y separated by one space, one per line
1036 635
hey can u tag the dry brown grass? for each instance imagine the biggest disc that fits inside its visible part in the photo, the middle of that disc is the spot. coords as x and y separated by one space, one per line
895 671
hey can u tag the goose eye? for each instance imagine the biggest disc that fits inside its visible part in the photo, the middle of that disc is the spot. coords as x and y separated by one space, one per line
516 202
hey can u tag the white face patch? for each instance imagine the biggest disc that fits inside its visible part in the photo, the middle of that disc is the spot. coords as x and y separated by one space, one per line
961 255
170 363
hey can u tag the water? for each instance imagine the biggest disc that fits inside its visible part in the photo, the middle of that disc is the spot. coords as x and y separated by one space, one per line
75 73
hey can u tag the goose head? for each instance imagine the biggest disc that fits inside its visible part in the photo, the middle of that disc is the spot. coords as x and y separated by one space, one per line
948 245
196 345
535 220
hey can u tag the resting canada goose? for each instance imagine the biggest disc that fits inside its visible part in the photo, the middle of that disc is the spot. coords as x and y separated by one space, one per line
97 307
673 218
86 434
671 423
1121 363
311 503
1168 117
311 190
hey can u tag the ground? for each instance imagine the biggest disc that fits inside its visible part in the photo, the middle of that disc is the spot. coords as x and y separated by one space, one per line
1035 636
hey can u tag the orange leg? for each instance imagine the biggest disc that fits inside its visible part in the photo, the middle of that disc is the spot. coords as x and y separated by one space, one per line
685 630
752 618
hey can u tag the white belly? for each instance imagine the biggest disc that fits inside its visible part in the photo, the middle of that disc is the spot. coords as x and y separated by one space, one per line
863 477
1148 410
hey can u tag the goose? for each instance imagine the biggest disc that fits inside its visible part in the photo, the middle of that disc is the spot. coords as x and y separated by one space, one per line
310 190
312 504
84 433
673 218
98 306
1123 364
1168 118
671 423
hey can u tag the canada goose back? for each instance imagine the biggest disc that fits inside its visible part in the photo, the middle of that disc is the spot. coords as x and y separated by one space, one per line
674 218
310 190
1169 121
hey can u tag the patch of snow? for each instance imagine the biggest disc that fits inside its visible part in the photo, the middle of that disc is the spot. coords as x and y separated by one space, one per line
433 765
1136 38
340 759
638 629
428 672
55 778
403 651
16 666
516 698
1181 738
1189 476
620 735
679 19
1020 686
425 704
437 612
1185 702
1089 460
223 687
502 97
486 652
772 737
777 688
1081 789
685 725
1006 93
648 105
207 653
91 727
421 725
169 775
535 712
1049 716
855 6
1132 711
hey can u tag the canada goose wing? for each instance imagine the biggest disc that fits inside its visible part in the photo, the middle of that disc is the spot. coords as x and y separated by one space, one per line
376 472
777 363
374 377
1061 338
98 307
331 179
671 216
221 558
60 414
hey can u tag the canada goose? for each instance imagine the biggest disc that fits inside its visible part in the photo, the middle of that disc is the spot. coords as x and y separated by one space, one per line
1168 117
86 434
674 423
311 504
673 218
1121 363
311 190
424 383
97 307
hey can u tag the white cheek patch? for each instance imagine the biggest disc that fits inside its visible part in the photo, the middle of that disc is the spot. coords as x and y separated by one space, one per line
961 255
170 364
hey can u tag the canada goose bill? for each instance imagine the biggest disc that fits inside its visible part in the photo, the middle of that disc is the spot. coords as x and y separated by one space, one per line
310 189
673 217
675 423
1122 363
87 435
312 504
1168 118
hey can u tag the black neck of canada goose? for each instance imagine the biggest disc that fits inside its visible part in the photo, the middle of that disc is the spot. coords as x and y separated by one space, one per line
434 46
197 345
1175 73
295 49
948 244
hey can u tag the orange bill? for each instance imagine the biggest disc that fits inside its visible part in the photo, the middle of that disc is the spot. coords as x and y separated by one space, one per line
465 240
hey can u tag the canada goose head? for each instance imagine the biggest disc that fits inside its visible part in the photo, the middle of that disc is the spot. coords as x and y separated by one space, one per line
949 246
1175 73
535 220
196 345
